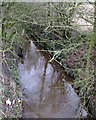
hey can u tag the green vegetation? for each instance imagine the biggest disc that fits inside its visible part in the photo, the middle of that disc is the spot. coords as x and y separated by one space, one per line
53 26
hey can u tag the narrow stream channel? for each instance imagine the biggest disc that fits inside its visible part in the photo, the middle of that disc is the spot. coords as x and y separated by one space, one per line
45 87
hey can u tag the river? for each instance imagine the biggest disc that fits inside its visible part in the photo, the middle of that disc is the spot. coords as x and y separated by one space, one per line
46 88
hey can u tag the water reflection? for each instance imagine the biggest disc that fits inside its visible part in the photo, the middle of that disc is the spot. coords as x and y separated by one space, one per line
47 93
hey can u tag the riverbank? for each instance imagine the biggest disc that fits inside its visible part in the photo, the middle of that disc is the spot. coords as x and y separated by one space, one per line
11 93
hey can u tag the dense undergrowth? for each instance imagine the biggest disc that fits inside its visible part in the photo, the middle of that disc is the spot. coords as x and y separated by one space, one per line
51 25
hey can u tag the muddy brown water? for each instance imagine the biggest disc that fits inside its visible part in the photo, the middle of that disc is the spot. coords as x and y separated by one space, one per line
46 87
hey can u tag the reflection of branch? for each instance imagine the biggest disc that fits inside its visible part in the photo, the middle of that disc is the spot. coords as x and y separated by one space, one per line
43 84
